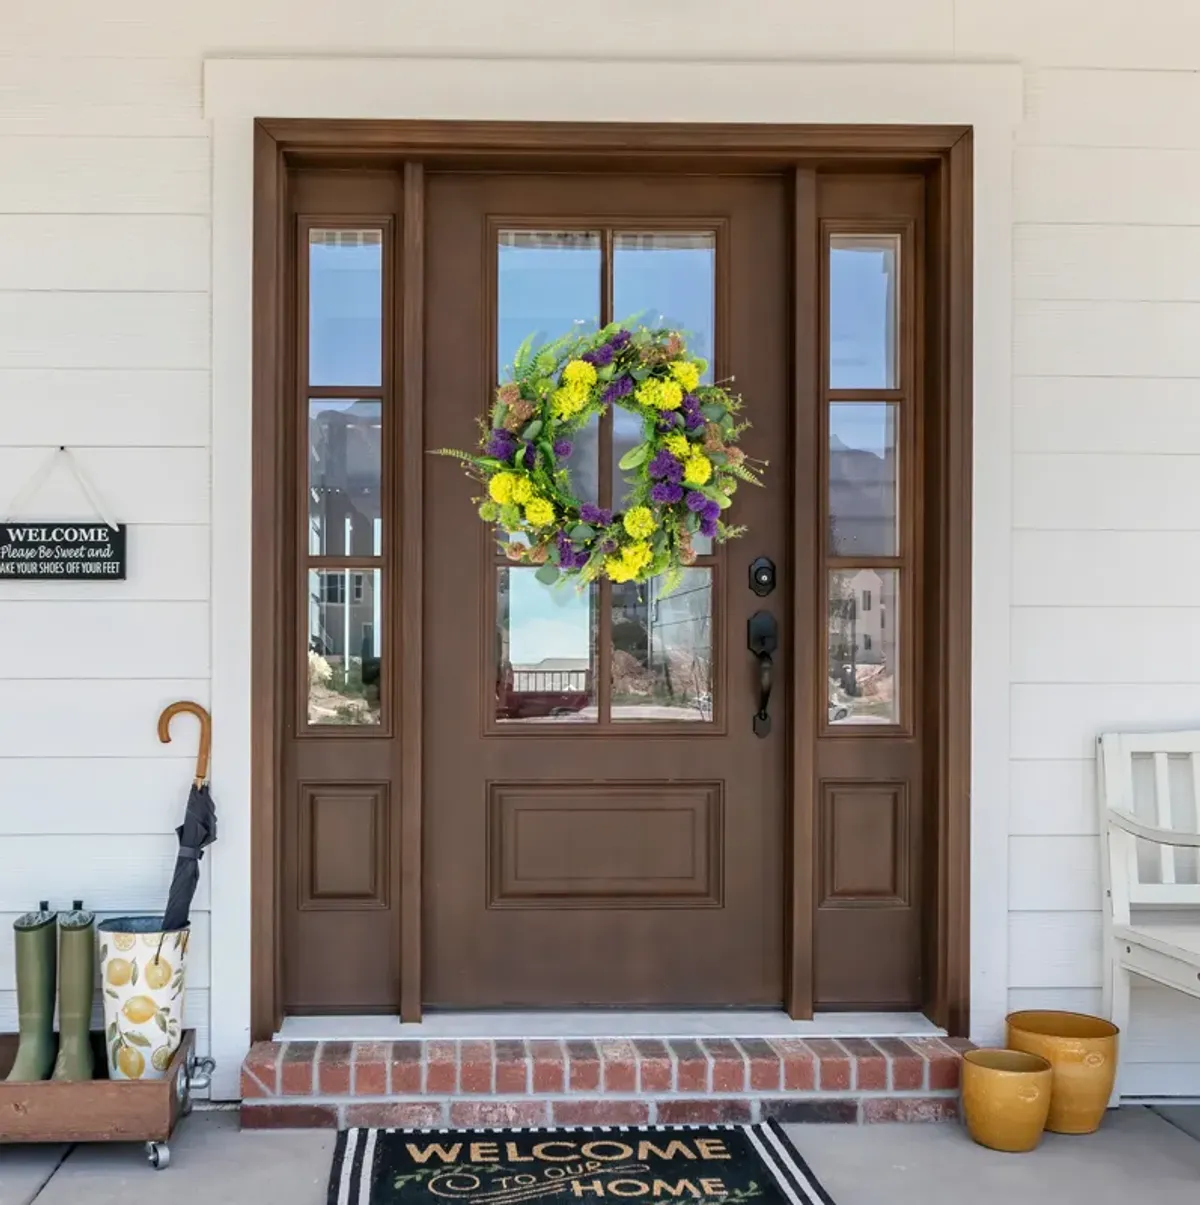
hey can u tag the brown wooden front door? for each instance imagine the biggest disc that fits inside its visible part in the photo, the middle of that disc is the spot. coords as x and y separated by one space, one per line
602 825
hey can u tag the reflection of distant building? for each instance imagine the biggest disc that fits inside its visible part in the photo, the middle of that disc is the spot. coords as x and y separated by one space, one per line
862 500
344 615
345 444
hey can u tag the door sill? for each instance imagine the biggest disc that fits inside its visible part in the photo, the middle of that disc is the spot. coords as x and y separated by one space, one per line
608 1024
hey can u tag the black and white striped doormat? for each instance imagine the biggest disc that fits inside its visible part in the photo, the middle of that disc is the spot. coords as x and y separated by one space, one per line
599 1165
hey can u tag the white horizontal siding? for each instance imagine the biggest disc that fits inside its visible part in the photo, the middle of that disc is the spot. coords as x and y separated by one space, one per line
1083 107
1098 185
104 330
104 175
88 719
1063 721
1106 644
1075 568
98 638
1053 798
1106 414
199 943
138 485
165 564
1106 338
125 873
160 253
1054 949
105 407
1106 263
97 96
1106 493
61 796
1053 874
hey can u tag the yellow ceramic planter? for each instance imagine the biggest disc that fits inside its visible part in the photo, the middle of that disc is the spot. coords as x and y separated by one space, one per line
1083 1052
1005 1098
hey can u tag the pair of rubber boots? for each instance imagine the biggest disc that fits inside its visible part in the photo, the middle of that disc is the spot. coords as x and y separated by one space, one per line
47 942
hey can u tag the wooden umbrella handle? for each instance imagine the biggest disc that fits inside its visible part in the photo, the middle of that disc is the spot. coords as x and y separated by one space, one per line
164 733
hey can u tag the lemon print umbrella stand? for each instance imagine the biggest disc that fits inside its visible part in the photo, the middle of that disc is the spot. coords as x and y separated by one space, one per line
143 958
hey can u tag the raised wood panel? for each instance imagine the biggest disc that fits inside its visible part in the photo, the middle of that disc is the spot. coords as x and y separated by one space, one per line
104 330
144 252
1087 184
1108 108
1105 414
106 407
1106 263
105 175
165 565
1105 338
579 845
73 718
1054 949
139 485
1114 493
1106 644
102 639
1053 874
1053 798
344 846
99 96
122 874
1063 721
864 841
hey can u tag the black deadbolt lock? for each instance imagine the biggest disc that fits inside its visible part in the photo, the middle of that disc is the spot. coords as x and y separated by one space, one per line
762 576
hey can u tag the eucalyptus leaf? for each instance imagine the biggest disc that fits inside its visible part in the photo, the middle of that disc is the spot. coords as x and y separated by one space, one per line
713 412
606 373
635 456
547 450
659 543
722 500
718 457
581 533
547 575
533 430
640 373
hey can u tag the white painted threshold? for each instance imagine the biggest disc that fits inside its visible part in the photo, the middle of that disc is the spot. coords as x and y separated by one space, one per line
742 1023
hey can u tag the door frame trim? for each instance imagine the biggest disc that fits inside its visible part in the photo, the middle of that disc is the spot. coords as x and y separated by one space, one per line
946 152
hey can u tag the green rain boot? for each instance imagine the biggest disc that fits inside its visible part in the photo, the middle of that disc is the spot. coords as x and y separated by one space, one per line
34 937
76 988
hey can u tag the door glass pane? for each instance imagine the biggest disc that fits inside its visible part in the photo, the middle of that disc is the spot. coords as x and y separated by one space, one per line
345 646
863 311
663 280
545 650
862 478
344 471
662 656
345 307
548 283
863 646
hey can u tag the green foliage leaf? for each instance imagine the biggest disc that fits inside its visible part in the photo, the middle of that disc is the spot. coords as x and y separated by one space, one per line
136 1039
158 1020
133 975
109 992
635 456
103 952
547 450
547 575
533 430
713 412
606 373
640 373
581 533
112 1031
718 457
522 356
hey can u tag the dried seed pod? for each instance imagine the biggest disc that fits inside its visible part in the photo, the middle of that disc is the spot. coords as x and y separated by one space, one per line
538 555
510 393
514 552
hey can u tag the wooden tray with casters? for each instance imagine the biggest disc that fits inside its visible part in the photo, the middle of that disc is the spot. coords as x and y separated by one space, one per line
103 1110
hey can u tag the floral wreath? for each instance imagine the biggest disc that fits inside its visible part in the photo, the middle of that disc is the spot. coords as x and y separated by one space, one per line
683 472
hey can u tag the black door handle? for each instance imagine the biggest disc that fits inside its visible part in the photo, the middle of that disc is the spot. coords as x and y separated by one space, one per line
762 638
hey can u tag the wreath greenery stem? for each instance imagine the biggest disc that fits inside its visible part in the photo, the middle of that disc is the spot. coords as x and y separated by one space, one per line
682 474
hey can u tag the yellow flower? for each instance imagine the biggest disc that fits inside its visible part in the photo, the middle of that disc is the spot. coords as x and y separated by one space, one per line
618 570
639 521
687 373
637 556
569 399
539 513
500 488
677 445
522 490
579 372
697 469
660 395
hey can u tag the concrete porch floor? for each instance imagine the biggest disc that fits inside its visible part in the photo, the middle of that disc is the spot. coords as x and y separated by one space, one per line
1139 1155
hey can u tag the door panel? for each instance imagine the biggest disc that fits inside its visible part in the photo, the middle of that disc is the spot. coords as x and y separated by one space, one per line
602 826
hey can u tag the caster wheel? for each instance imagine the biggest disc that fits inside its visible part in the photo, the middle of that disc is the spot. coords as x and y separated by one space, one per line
158 1155
185 1105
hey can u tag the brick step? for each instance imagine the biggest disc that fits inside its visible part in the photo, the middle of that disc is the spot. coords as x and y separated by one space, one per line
599 1082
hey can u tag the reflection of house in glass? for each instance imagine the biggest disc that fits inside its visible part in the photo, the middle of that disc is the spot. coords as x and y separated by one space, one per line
862 644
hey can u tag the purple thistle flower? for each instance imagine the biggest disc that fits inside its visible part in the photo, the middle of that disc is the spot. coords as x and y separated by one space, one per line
675 475
696 501
708 527
600 357
665 423
619 340
501 444
596 516
711 511
621 387
663 464
666 493
563 448
529 458
691 403
693 420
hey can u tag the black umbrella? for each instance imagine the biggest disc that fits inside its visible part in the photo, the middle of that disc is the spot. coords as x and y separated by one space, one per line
199 827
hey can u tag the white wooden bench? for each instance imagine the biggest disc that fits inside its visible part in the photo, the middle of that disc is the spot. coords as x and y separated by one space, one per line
1150 859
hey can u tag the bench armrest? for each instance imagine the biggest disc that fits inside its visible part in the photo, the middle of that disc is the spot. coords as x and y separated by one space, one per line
1148 832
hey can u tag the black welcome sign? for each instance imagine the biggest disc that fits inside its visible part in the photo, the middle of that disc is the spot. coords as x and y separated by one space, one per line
53 552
